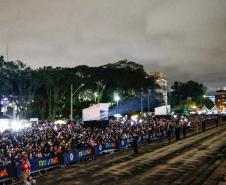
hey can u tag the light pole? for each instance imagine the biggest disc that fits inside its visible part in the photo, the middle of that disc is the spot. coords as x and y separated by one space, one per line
72 94
168 95
149 100
203 97
141 102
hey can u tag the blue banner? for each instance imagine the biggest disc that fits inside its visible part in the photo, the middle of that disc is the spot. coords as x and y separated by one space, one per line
42 163
145 137
123 144
84 152
77 155
99 149
109 146
70 157
154 136
7 171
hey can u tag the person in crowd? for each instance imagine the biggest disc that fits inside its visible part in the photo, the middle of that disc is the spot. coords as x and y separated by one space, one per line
177 130
203 123
197 126
184 127
25 169
135 143
48 139
217 121
168 132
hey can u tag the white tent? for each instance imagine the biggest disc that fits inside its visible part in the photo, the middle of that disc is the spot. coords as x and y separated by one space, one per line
60 122
215 110
118 116
204 110
224 110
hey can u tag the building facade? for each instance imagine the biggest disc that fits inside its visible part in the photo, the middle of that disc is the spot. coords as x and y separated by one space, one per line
162 86
220 98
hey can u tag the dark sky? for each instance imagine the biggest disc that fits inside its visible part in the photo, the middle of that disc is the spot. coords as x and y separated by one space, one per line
185 39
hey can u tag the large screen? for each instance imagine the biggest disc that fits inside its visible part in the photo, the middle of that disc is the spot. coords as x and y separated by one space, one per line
96 112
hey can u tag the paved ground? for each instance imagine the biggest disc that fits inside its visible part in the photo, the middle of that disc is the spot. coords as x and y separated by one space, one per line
199 159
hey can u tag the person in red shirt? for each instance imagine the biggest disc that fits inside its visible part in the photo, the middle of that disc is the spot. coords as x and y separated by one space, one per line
25 169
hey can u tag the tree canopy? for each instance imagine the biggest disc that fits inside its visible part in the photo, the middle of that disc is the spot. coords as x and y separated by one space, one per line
190 90
45 92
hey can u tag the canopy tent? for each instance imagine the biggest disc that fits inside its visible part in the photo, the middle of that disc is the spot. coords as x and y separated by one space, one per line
215 110
224 110
204 110
118 116
60 122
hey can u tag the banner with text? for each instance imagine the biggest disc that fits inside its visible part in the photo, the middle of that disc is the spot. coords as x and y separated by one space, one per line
77 155
42 163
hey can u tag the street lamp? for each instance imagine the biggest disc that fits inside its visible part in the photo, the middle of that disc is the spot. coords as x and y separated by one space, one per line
116 98
203 97
72 94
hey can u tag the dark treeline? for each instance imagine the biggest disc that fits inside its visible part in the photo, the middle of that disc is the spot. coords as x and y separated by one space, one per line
45 92
189 94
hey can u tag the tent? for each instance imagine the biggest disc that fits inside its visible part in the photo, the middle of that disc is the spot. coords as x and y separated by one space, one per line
204 110
215 110
118 116
60 122
224 110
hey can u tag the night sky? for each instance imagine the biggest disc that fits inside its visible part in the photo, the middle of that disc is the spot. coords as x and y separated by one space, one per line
184 39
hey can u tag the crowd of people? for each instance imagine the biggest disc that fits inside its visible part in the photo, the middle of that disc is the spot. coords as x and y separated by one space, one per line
46 139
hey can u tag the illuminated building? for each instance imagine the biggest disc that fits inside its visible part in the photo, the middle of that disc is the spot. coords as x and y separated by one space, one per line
162 86
220 98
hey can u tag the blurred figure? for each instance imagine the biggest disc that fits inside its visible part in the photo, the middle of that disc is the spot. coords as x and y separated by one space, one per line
168 132
203 125
25 168
26 172
135 143
197 126
217 121
177 130
184 129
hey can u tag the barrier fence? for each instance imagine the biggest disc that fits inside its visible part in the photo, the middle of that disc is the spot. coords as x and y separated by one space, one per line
8 172
38 164
43 163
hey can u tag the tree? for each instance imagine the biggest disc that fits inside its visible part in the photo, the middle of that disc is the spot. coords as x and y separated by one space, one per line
208 103
45 92
189 90
17 84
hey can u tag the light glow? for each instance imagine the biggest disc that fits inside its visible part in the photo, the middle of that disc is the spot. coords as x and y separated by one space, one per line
116 98
134 117
16 125
4 124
